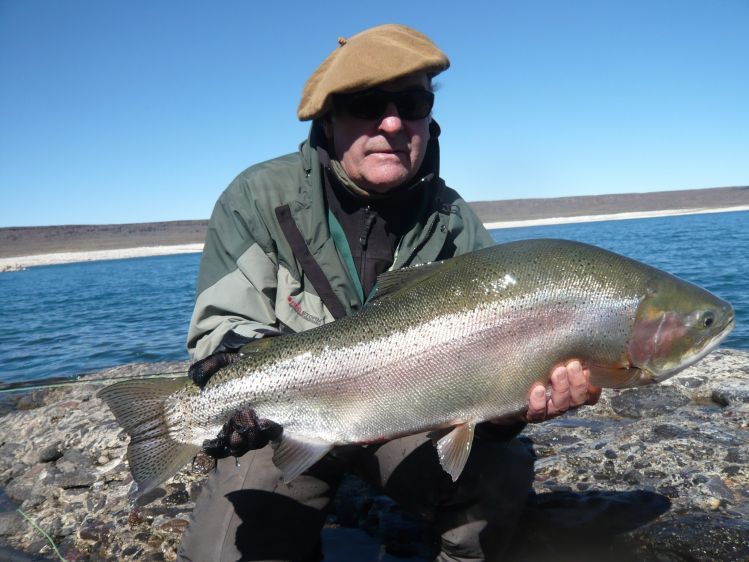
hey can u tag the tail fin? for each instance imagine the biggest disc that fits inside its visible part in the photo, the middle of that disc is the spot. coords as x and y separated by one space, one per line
138 406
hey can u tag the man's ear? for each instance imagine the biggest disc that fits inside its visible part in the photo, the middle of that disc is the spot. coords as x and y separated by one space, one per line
327 126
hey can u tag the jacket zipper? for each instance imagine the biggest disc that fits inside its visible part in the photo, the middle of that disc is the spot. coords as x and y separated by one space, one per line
366 229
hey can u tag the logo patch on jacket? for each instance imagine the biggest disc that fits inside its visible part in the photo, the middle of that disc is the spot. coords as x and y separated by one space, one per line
297 307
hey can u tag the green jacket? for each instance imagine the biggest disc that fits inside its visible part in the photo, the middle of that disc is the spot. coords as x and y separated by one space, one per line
270 262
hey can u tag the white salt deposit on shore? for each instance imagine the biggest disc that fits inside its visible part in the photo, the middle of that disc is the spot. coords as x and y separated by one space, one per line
23 262
612 217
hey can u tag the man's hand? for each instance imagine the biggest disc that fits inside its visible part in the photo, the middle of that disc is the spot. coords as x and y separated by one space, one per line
201 371
244 431
570 388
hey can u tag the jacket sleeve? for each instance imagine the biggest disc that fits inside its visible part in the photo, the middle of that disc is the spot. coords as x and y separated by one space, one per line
473 235
235 296
466 231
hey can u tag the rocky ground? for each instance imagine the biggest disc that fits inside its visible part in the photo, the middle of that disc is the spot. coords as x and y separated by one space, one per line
658 473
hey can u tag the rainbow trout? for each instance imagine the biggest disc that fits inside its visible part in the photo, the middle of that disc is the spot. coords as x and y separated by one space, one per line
445 345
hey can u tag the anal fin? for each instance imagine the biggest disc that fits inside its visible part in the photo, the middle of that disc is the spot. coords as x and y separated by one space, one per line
453 449
293 455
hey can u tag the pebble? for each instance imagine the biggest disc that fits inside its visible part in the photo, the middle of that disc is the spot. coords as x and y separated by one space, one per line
50 453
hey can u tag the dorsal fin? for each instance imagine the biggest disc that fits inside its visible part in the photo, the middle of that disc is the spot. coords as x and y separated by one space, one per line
260 344
392 281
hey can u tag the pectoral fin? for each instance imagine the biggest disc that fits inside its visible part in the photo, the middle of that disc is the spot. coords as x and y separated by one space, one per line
616 377
293 455
453 449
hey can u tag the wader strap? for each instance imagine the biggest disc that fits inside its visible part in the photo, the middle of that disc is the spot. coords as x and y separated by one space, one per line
344 250
310 266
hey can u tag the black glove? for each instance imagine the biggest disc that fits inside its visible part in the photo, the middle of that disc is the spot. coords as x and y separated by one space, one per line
244 431
229 351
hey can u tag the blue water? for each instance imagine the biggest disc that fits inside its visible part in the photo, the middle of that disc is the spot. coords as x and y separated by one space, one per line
69 319
64 320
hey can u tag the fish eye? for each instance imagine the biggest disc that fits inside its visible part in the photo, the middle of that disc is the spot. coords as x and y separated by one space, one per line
708 319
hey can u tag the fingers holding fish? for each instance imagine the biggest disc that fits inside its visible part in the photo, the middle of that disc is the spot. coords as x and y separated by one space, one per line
581 391
537 399
570 388
560 398
242 433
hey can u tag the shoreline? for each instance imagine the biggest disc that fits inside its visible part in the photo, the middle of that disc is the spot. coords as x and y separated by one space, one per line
23 262
613 217
20 263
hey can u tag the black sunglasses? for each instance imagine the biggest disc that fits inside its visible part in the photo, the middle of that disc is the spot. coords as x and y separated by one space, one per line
371 104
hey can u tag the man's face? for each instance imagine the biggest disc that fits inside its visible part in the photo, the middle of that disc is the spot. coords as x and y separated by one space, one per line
381 153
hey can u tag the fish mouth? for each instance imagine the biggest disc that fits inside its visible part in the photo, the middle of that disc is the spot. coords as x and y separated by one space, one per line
710 346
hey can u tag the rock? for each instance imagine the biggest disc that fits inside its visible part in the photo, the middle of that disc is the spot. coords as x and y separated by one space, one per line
97 531
718 488
648 401
32 400
136 517
174 525
203 464
150 496
8 450
11 524
50 453
699 537
132 551
78 479
670 431
691 382
73 460
27 485
731 393
178 496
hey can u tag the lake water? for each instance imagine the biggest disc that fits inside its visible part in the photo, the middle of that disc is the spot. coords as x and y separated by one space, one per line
65 320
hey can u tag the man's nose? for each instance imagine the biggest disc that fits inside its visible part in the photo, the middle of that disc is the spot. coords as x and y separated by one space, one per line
391 121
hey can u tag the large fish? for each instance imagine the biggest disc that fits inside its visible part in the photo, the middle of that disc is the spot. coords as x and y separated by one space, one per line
444 345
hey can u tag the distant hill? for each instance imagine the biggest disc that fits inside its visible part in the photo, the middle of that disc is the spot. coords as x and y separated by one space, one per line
33 240
526 209
25 241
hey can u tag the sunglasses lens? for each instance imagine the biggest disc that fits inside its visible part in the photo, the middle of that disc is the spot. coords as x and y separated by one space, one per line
369 105
415 105
411 104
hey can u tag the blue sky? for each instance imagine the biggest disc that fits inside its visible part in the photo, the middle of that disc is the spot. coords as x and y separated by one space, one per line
142 111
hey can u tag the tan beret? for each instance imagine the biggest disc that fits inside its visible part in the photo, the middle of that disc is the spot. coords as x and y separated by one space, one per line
369 58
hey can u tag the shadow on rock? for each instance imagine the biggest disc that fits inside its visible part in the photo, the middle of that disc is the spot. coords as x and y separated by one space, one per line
564 526
697 537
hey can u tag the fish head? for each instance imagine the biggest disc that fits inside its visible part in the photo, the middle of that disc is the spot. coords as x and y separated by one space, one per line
676 325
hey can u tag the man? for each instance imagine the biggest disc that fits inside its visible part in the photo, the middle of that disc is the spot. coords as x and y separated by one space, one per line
299 241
